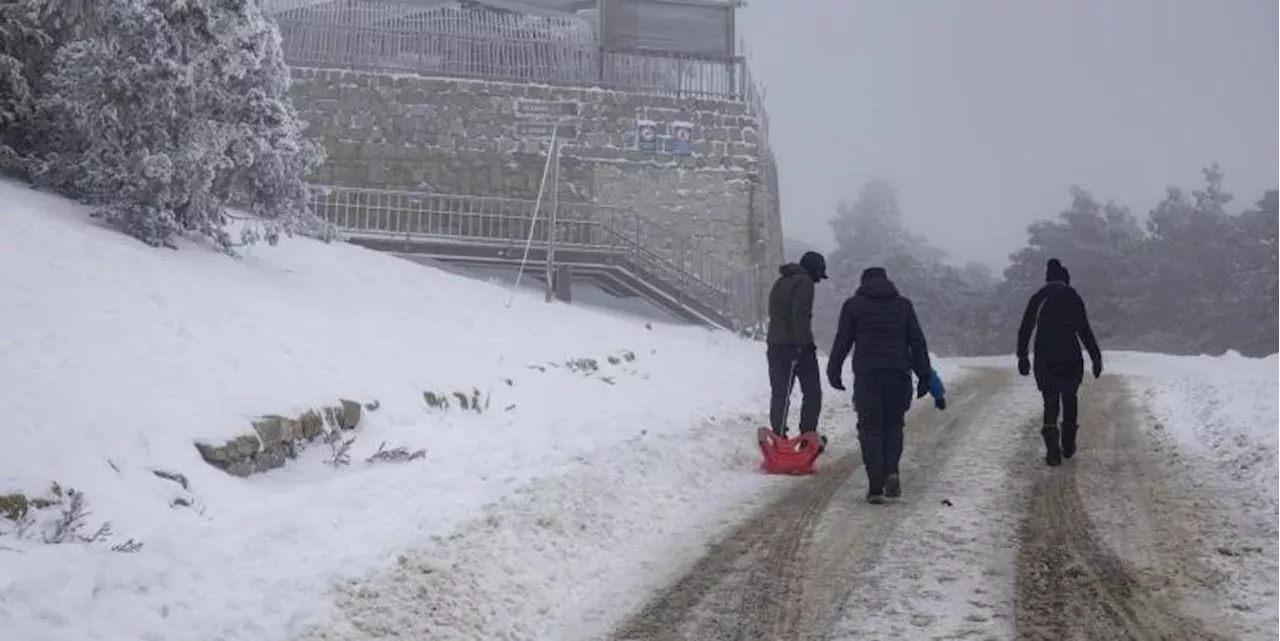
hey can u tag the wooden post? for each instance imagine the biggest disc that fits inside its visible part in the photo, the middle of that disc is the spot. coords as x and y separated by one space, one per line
564 283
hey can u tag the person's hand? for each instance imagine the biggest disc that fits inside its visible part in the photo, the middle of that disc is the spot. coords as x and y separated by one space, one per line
1097 368
1024 365
922 387
833 377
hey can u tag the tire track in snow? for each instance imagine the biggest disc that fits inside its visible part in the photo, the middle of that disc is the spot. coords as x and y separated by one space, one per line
785 572
1070 584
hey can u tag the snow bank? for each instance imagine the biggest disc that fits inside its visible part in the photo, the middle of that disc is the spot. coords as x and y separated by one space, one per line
118 357
1222 408
1222 413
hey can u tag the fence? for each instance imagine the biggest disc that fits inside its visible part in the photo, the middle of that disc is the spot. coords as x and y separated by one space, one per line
457 42
650 247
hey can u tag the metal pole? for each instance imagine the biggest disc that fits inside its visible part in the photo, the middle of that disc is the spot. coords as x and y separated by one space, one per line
553 215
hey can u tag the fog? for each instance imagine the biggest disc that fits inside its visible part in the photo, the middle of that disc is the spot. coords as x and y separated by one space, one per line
982 113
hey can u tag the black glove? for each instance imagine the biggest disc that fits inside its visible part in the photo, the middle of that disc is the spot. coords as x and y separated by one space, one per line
1024 365
940 402
833 377
1097 368
922 387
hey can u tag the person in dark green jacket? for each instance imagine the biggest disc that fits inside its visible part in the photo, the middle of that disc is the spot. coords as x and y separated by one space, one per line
792 351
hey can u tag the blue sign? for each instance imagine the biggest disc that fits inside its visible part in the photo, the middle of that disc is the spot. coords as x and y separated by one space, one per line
682 139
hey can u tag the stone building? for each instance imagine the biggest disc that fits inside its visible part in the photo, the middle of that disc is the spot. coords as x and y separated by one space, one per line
411 105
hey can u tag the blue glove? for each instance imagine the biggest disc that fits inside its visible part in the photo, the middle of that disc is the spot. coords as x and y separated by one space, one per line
937 391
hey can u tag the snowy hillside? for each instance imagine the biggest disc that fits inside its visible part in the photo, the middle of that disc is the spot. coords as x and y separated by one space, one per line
117 358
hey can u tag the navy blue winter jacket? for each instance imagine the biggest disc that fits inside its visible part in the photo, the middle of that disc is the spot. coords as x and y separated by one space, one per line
880 326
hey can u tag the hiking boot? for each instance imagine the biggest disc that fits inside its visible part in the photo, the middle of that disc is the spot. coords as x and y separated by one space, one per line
1053 449
892 487
875 498
1069 440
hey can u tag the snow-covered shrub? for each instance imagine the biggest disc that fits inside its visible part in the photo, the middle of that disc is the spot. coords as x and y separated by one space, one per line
168 111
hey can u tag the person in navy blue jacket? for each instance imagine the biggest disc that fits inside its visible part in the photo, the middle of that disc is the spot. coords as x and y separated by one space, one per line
880 327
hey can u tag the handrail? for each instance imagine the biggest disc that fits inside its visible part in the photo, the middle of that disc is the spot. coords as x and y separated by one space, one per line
661 253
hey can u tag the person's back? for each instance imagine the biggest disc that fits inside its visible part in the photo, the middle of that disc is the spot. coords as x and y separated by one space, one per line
1058 323
877 316
791 307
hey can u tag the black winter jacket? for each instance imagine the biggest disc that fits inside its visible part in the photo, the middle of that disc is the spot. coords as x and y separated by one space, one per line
1057 315
791 307
881 327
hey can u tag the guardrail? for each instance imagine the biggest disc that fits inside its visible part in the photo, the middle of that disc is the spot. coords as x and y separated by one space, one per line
451 41
649 247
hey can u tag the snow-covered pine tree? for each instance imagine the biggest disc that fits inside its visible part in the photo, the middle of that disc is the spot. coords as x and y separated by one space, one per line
168 111
21 36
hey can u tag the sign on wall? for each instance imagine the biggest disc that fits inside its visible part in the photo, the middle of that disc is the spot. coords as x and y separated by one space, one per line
539 118
676 139
646 136
681 138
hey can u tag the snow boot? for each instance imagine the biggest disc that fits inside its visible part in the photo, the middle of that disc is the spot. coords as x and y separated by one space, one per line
892 487
875 498
1053 449
1069 440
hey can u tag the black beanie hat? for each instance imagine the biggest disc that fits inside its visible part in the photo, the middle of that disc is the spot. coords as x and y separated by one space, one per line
1055 271
873 273
815 265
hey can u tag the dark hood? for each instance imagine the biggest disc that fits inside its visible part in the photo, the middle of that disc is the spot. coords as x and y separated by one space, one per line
877 288
792 269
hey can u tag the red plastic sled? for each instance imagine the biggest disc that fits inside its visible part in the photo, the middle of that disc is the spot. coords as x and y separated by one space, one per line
788 455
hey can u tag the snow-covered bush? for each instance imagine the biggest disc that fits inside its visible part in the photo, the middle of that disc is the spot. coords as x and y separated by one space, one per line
168 111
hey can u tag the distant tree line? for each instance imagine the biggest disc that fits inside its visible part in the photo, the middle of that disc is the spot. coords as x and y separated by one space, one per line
159 113
1192 277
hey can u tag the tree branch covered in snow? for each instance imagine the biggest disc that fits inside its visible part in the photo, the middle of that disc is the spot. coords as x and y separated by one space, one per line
340 447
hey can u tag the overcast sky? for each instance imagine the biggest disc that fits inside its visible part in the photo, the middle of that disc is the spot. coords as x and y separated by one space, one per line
984 112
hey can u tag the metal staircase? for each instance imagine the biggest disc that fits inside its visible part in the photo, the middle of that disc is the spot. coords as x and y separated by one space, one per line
616 246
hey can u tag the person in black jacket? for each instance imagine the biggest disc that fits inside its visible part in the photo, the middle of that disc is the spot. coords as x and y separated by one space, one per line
881 327
792 352
1057 315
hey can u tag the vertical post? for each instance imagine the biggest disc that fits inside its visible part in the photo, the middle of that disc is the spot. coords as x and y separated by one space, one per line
602 11
553 215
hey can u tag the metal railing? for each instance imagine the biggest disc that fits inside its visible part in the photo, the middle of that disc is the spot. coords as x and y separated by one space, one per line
659 253
456 42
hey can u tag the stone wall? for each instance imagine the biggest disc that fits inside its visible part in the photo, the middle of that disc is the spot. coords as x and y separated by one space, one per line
483 138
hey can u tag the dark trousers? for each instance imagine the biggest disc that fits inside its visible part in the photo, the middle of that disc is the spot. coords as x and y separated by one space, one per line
881 398
1059 382
786 361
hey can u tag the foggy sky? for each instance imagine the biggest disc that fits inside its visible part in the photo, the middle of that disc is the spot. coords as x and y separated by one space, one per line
984 112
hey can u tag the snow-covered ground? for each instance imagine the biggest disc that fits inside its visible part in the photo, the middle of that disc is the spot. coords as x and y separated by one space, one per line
1220 414
117 357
